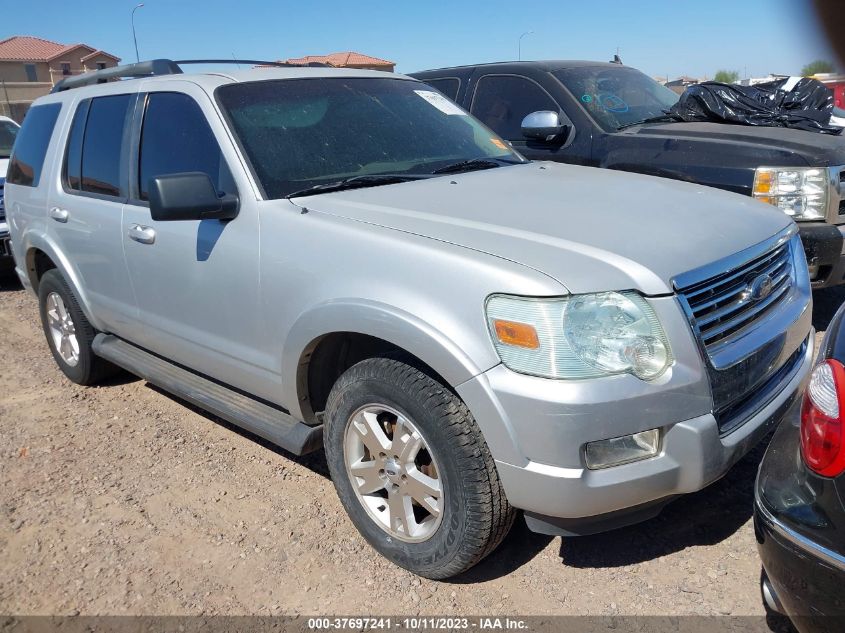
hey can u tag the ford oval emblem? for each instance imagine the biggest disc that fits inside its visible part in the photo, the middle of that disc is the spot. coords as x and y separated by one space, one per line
759 288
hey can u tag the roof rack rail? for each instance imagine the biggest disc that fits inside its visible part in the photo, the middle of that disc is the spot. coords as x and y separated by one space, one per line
151 68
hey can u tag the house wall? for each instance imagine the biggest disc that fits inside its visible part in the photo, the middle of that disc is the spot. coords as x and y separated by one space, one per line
91 64
16 71
17 93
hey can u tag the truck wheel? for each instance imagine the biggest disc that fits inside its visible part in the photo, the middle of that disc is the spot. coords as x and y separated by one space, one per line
68 332
412 469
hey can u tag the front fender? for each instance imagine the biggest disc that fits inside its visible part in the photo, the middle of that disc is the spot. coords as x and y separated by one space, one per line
404 330
33 242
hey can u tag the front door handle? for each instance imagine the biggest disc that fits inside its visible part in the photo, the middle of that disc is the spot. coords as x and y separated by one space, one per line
59 215
142 234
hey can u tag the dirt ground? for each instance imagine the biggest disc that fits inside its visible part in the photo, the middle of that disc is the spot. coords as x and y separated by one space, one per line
123 500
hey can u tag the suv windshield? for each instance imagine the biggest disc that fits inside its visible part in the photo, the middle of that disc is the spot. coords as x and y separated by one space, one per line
8 132
618 96
301 133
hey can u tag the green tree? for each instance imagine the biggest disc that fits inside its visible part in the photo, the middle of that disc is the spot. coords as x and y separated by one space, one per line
816 67
726 76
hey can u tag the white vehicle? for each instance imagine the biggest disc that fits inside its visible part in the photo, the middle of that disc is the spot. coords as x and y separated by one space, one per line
8 132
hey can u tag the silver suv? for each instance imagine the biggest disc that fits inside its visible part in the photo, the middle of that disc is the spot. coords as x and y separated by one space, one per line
346 259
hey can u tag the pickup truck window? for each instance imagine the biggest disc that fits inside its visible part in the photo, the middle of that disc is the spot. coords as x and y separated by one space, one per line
31 148
617 96
449 86
176 138
502 101
300 133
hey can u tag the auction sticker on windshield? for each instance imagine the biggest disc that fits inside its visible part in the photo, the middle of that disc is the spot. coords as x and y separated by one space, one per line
440 102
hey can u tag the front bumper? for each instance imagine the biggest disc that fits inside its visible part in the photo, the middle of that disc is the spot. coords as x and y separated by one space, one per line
561 496
7 262
824 246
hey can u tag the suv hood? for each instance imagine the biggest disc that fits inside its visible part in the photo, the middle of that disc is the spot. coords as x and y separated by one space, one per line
767 143
590 229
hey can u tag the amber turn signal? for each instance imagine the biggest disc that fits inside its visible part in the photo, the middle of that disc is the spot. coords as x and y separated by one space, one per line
518 334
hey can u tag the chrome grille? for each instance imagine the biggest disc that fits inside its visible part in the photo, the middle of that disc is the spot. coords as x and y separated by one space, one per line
722 307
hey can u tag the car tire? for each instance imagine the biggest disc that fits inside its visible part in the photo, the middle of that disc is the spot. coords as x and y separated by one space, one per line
470 517
68 332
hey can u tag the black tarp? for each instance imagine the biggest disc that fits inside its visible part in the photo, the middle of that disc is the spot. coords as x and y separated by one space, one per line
806 106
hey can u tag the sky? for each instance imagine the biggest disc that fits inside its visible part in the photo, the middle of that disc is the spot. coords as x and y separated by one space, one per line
660 37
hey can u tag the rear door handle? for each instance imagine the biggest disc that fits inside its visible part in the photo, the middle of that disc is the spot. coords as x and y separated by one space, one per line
142 234
59 215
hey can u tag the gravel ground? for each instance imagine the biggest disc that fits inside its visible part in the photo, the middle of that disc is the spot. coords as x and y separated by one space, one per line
123 500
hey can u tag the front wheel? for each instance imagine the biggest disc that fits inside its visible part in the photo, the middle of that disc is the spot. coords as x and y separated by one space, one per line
412 469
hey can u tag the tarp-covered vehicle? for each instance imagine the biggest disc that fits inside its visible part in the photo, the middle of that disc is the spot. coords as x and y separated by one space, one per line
794 102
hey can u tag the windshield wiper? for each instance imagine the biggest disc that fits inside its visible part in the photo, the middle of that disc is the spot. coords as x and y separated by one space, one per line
357 182
663 118
474 164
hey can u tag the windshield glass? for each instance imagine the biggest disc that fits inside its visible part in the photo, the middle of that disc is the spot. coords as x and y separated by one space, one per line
8 132
299 133
616 96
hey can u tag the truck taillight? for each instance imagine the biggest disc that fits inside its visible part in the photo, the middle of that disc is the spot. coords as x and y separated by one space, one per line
822 428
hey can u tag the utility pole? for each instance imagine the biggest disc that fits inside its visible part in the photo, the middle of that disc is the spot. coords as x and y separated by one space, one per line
520 43
8 103
134 37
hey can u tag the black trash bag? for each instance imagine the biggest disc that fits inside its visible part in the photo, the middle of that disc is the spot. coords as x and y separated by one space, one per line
807 106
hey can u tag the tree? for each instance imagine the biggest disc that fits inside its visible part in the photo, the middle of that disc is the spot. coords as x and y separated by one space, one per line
726 76
816 67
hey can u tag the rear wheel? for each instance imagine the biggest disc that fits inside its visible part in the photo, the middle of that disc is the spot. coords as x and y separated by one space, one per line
68 332
412 469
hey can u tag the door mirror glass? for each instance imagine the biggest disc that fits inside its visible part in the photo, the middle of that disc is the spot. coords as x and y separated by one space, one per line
189 196
543 125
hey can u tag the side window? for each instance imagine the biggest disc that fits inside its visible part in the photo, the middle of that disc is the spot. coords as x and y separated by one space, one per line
449 86
101 145
501 102
72 171
31 145
176 138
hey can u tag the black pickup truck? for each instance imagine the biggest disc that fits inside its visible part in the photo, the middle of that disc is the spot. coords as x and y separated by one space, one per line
597 114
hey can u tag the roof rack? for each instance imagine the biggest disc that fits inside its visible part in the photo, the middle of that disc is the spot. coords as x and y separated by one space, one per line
152 68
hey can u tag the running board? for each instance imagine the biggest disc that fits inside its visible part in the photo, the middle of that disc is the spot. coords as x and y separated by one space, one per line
248 413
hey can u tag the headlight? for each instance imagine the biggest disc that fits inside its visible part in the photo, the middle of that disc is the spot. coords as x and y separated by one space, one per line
797 191
582 336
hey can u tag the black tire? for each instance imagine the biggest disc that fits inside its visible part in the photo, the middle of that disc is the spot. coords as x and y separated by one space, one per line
90 369
476 516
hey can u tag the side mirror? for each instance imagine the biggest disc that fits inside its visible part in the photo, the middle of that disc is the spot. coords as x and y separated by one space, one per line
189 196
543 125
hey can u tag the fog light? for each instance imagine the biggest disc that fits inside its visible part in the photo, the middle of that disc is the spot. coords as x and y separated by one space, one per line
622 450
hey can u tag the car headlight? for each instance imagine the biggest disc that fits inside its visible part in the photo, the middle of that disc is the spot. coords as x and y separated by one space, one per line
581 336
797 191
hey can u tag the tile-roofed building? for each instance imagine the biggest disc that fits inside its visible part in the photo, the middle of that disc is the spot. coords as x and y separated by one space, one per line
30 66
349 59
681 83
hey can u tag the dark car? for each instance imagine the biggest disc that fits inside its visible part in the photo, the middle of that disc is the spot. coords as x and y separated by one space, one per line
799 509
593 113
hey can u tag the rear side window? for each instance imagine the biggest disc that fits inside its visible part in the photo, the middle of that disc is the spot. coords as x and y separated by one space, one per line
31 145
73 157
449 86
101 145
176 138
502 101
